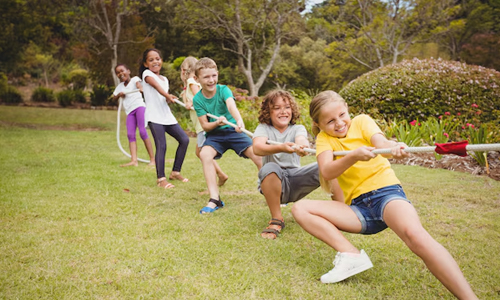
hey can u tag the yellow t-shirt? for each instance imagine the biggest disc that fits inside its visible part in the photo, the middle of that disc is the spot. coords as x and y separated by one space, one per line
363 176
192 113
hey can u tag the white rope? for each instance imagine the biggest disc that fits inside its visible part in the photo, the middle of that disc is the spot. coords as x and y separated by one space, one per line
118 127
472 147
249 133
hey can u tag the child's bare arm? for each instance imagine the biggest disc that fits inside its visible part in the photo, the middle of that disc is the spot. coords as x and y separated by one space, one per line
379 141
331 169
261 148
194 89
138 85
152 82
301 142
336 191
233 110
121 94
209 126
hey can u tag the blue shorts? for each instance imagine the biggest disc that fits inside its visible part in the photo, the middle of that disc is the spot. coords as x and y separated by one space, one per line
223 139
369 207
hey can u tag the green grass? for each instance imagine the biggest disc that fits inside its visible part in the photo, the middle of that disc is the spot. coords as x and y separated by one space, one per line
70 230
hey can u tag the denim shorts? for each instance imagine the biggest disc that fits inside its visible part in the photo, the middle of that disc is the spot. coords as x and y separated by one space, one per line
223 139
369 207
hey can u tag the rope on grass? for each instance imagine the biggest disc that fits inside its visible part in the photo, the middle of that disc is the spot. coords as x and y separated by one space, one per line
118 128
458 148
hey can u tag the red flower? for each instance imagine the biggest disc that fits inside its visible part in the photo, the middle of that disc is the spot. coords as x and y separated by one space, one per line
413 123
474 105
447 113
446 135
458 114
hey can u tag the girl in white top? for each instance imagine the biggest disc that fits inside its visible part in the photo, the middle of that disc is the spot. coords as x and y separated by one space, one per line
160 119
134 107
191 87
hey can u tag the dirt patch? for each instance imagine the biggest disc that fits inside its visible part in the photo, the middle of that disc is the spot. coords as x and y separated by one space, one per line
455 163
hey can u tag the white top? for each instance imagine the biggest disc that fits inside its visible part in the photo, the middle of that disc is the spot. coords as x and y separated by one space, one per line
157 109
133 100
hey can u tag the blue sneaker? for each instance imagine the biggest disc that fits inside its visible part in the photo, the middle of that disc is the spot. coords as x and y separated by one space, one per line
208 210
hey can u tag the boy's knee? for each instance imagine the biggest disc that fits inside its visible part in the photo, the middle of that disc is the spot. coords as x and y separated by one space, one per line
299 209
271 179
207 153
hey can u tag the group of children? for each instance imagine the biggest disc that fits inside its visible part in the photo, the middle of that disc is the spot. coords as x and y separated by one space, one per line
366 194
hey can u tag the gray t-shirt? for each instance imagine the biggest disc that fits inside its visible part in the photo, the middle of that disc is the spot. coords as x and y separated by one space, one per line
284 160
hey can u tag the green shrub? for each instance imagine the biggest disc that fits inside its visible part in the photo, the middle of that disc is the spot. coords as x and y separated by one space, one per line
478 136
67 97
3 83
419 89
79 96
100 95
42 94
406 132
11 95
78 78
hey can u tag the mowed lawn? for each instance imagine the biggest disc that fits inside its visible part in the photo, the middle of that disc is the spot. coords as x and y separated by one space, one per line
74 225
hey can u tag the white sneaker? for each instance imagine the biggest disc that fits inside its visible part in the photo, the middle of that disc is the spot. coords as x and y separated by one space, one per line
347 265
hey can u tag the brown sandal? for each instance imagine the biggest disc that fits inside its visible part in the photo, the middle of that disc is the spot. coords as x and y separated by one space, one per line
163 183
276 232
178 177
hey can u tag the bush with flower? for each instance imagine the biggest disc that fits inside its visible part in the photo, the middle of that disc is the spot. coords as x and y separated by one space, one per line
446 128
422 89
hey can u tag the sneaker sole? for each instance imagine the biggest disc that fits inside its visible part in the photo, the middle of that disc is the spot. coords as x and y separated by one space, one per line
353 272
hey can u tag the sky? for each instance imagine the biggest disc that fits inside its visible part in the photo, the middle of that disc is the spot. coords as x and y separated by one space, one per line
310 4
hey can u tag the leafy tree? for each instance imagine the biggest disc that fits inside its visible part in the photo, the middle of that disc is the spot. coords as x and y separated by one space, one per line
305 66
481 35
100 26
374 32
252 30
482 50
30 22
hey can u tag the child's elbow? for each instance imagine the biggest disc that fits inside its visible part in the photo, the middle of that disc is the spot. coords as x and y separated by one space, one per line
326 175
257 151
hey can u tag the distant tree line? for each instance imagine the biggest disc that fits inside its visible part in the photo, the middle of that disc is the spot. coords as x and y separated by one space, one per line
258 45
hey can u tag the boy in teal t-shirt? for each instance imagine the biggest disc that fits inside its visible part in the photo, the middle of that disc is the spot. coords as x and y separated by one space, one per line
218 100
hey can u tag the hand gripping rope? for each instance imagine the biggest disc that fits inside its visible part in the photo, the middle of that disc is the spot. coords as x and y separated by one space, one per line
458 148
118 128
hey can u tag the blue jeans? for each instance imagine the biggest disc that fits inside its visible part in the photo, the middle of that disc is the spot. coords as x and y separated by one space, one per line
369 207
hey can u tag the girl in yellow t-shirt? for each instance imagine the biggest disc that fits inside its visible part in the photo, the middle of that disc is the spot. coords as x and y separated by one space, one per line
373 197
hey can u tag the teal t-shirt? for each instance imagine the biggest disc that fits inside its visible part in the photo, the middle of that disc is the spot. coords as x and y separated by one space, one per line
215 105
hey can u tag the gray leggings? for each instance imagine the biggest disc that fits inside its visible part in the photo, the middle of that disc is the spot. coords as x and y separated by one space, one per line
158 132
